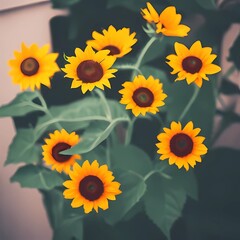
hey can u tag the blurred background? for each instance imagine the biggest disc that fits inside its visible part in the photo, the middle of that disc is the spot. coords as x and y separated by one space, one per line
22 214
217 214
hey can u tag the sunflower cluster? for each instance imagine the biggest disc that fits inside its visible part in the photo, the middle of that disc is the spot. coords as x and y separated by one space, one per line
90 184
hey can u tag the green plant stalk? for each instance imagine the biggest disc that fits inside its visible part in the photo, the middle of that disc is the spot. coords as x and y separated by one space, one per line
106 106
142 54
190 103
108 155
156 171
136 66
45 109
128 67
129 131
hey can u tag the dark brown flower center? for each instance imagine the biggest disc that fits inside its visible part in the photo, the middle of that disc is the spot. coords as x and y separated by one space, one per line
113 50
89 71
91 187
192 64
58 148
143 97
181 145
29 66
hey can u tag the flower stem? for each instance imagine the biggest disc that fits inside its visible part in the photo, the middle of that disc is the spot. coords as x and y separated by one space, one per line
105 103
130 131
45 109
142 54
190 103
108 155
128 67
156 171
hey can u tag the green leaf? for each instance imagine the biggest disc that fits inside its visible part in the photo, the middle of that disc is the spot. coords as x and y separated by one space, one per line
133 188
23 148
189 182
178 97
64 3
186 179
53 202
69 229
21 105
157 73
157 49
131 158
73 116
31 176
98 153
164 201
94 136
58 208
207 4
79 114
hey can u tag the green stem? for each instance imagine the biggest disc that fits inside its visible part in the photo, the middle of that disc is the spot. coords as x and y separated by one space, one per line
108 156
128 67
156 171
190 103
130 131
45 109
142 54
105 103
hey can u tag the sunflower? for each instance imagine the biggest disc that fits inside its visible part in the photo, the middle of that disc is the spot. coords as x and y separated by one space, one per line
33 66
89 69
91 186
181 146
58 142
193 64
143 95
167 22
118 42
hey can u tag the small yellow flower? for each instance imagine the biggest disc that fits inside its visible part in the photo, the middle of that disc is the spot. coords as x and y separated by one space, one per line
150 14
89 69
167 22
192 64
143 95
58 142
118 42
91 186
181 146
33 66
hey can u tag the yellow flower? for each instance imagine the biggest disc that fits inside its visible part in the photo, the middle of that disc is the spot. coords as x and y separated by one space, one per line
150 14
33 66
169 23
58 142
193 64
143 95
91 186
181 146
118 42
89 69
